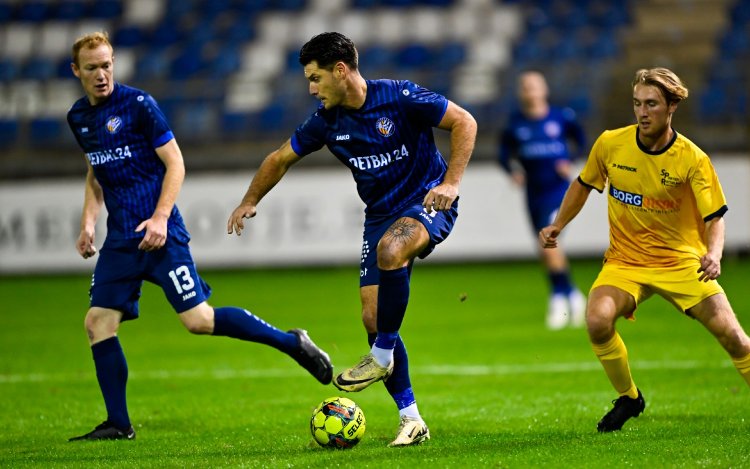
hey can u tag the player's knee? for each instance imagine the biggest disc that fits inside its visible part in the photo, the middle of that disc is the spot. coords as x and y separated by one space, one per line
599 326
101 324
736 342
388 259
198 320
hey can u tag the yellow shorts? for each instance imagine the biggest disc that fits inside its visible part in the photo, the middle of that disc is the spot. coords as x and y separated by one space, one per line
679 284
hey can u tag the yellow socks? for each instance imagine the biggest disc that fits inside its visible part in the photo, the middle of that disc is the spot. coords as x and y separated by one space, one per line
613 356
743 366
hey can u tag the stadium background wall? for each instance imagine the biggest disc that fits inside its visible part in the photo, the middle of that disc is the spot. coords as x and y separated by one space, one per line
315 217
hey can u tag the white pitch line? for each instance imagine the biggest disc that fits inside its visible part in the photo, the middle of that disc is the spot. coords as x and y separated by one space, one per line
430 370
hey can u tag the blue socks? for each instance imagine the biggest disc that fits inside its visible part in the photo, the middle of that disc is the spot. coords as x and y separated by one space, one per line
112 374
393 296
560 281
398 384
241 324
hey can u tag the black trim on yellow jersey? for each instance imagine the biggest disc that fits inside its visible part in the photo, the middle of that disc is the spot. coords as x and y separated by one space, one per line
589 185
657 152
718 213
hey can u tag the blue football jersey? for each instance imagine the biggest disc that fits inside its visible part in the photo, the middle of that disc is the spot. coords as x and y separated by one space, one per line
387 144
539 144
119 137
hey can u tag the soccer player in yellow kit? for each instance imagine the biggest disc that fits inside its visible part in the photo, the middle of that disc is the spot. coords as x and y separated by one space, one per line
666 234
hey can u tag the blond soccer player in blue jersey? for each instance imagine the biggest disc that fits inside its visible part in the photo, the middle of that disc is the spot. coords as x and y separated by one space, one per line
666 210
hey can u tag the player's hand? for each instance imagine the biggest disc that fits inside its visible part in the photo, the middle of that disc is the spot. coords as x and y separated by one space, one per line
548 236
564 169
710 268
440 197
156 233
518 178
236 221
85 244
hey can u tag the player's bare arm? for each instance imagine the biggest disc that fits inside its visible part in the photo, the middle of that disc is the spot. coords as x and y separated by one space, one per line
273 168
156 226
93 199
710 268
575 199
463 130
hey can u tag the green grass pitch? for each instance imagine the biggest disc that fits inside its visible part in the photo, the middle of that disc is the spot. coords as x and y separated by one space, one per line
496 388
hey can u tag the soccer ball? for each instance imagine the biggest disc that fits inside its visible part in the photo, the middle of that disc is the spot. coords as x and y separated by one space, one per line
337 423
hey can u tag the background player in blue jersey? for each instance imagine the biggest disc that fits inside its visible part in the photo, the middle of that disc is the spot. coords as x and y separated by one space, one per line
382 131
535 150
135 168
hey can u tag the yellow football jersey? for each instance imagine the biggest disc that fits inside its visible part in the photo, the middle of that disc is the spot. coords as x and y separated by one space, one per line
657 201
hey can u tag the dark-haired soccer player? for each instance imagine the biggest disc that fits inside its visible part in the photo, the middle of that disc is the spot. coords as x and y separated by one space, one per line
382 131
666 236
539 136
135 168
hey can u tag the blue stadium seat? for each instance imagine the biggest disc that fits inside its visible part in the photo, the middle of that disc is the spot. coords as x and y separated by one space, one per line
413 56
449 55
7 11
39 68
9 69
46 131
129 36
105 9
713 104
62 69
70 10
34 11
606 46
186 64
224 62
9 129
152 65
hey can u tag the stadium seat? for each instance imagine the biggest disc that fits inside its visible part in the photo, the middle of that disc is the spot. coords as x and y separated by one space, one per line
39 68
70 10
9 69
46 131
34 11
9 129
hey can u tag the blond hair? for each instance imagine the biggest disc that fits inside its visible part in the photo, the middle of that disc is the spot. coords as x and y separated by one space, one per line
666 80
90 41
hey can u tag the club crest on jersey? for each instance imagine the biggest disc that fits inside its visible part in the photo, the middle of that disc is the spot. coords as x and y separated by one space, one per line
114 124
385 126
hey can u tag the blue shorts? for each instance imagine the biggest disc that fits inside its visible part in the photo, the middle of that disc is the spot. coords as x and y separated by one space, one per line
122 268
438 224
542 208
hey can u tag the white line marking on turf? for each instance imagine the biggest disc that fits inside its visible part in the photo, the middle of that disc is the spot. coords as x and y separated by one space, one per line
436 370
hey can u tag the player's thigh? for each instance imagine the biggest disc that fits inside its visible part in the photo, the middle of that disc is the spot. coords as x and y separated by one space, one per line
401 242
617 292
175 272
437 225
117 279
199 319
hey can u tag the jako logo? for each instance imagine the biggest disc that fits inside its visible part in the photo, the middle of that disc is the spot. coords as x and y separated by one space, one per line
342 137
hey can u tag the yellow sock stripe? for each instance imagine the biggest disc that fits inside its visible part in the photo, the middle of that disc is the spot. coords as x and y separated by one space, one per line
743 366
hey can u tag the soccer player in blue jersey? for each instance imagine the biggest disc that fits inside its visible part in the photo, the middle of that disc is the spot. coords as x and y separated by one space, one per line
535 150
382 131
136 169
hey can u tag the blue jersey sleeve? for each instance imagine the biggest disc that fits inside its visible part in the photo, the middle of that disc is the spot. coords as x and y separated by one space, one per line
508 147
310 136
422 104
574 132
153 124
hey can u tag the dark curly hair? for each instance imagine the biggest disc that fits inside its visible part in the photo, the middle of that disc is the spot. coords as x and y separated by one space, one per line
328 48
